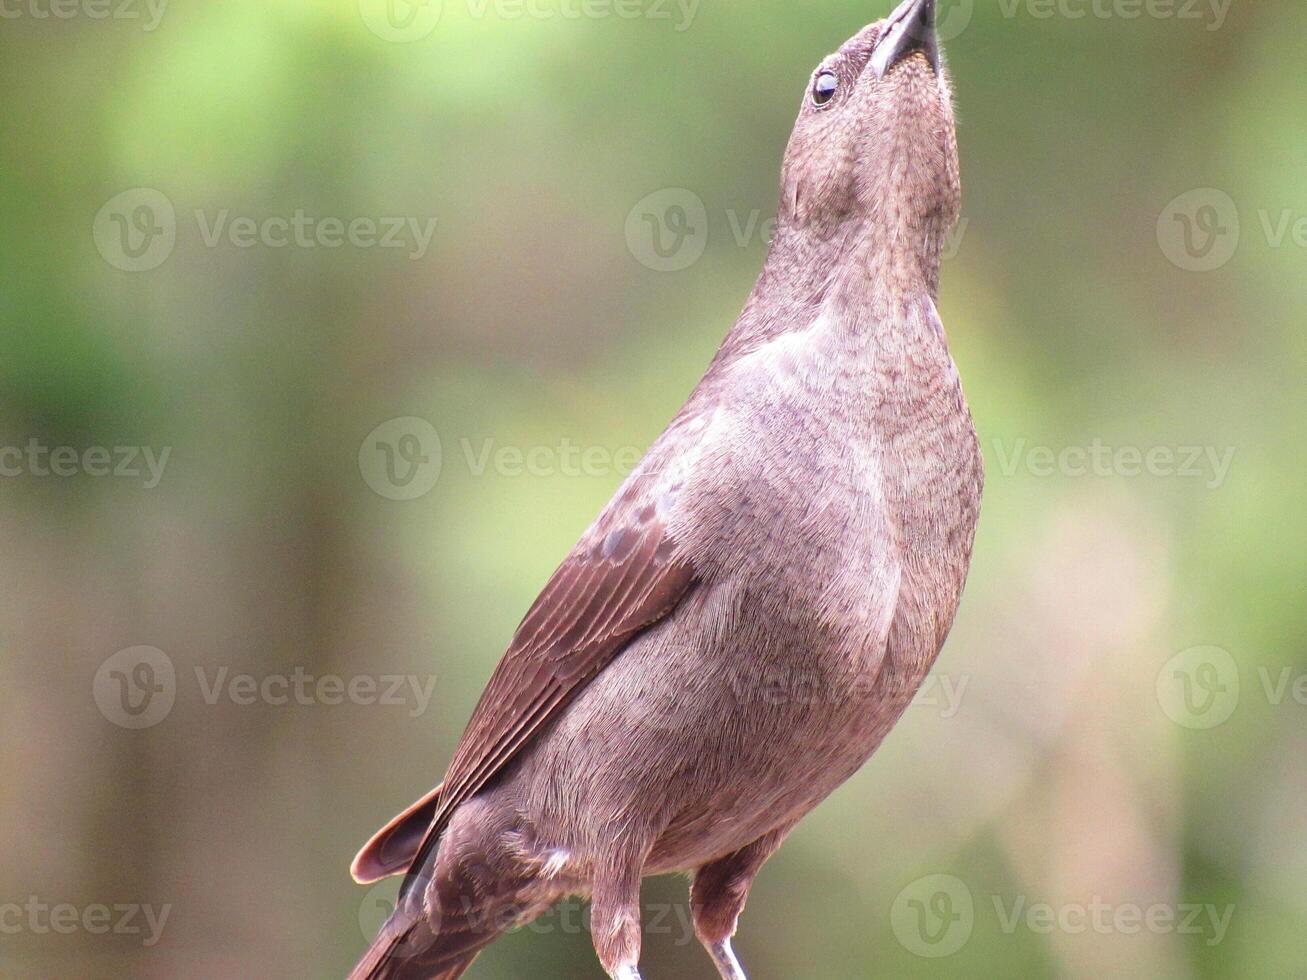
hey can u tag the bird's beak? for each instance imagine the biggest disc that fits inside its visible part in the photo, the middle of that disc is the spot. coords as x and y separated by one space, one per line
911 28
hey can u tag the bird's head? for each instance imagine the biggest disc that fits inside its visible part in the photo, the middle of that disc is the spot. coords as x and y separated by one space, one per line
874 149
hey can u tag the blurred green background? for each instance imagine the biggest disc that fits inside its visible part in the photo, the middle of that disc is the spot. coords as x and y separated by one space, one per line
1109 769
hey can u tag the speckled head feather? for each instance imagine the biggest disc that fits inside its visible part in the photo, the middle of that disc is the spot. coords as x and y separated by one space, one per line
881 151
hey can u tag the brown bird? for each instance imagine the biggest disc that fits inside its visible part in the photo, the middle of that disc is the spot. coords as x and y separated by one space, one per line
753 611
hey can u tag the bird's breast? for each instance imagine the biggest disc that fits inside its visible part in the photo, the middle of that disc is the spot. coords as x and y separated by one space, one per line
839 492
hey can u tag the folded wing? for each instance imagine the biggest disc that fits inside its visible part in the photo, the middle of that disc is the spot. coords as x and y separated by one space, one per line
624 576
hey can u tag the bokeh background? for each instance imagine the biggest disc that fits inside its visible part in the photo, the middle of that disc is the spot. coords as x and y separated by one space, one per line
1108 774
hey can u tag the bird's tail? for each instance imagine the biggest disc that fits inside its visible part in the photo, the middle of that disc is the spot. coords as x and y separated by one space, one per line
409 947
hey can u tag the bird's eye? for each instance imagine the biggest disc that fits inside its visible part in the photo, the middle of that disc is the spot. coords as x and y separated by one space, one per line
823 89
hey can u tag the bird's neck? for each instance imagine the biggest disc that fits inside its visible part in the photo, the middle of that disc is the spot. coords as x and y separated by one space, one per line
888 259
867 272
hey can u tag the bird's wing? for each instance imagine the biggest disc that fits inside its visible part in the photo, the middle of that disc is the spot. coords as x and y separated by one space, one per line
624 576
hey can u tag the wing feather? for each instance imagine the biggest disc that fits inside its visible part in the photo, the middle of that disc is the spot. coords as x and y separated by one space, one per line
623 577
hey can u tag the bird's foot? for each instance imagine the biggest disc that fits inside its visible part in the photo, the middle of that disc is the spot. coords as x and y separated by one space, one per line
728 964
626 973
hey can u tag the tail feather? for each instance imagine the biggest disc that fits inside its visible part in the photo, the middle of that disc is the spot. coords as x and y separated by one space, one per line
407 949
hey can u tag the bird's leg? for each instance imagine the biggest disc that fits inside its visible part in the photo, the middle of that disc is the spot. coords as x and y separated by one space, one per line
717 898
615 922
724 958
